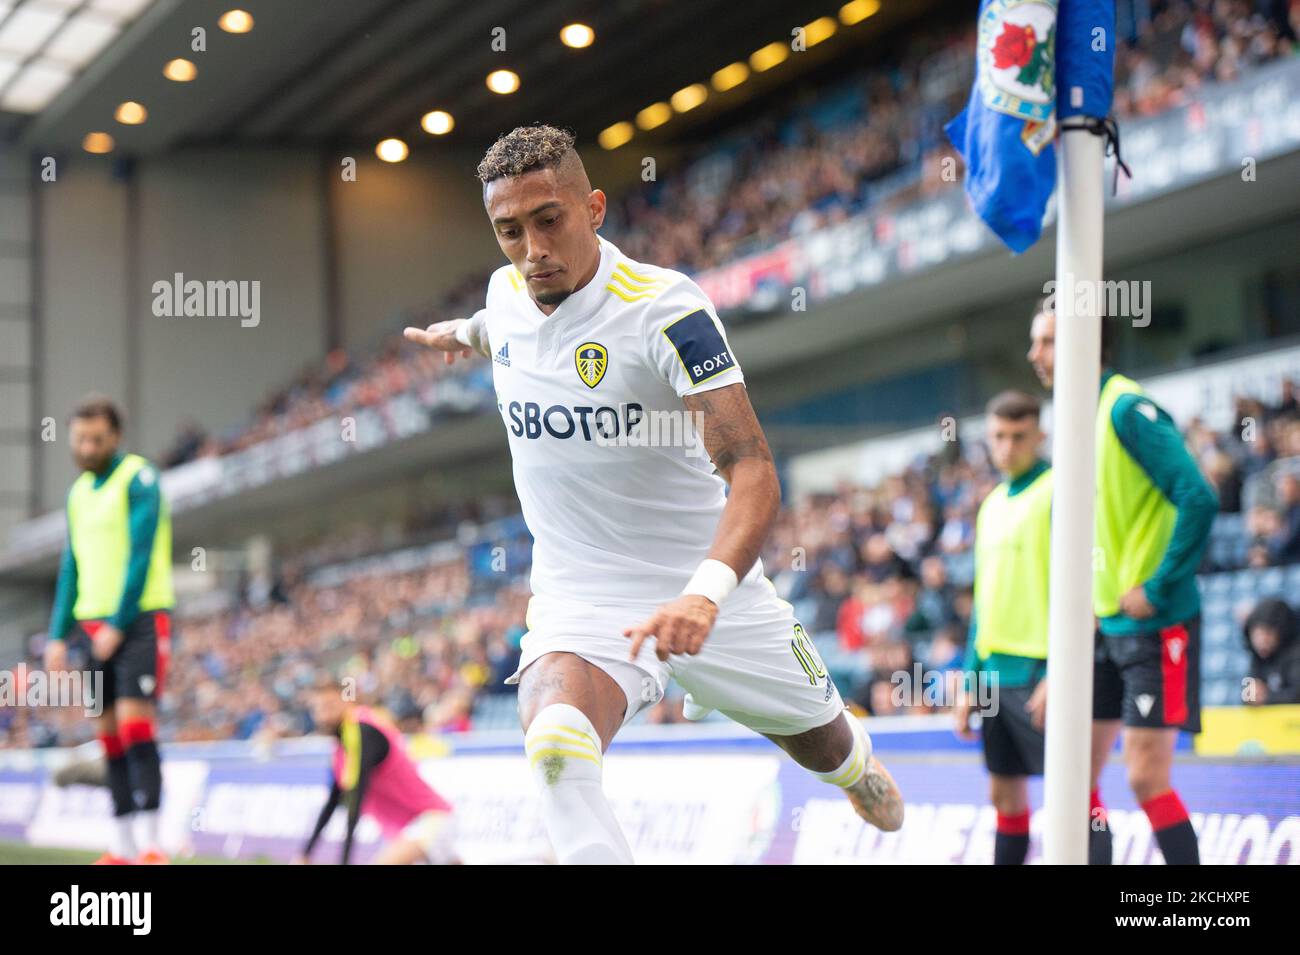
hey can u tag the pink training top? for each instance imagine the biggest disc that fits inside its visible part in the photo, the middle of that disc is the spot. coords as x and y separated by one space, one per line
396 793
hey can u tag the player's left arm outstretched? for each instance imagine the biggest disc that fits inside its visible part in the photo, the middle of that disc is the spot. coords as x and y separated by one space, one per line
457 338
736 445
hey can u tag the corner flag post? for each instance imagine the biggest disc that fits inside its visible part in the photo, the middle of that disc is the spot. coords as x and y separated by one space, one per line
1067 770
1039 64
1085 67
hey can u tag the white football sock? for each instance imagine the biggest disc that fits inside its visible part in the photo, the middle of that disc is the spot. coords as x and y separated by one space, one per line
850 772
148 829
564 754
123 843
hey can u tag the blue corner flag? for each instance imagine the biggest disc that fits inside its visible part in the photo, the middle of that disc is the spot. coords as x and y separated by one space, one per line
1085 58
1006 132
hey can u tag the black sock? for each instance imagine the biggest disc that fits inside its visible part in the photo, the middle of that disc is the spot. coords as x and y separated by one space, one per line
1178 844
1010 849
1011 842
119 784
1173 830
146 773
1100 845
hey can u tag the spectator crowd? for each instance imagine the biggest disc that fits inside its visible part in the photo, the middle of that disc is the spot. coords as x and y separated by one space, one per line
873 141
880 576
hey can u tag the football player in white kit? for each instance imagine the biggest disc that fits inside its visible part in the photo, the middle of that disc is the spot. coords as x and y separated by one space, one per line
649 489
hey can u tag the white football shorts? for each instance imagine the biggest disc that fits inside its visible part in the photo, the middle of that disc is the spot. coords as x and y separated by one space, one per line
757 667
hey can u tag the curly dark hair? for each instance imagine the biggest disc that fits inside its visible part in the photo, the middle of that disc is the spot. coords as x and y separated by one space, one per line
524 149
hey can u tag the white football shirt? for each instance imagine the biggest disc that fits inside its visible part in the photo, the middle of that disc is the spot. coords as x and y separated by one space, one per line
615 484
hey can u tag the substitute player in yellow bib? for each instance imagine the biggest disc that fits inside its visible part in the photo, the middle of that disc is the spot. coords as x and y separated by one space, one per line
115 586
628 421
1008 634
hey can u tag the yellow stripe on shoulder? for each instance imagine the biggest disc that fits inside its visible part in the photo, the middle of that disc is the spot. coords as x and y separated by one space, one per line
611 287
632 286
629 277
516 280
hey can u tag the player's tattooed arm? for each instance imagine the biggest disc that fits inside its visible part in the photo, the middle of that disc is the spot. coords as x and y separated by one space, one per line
735 443
728 427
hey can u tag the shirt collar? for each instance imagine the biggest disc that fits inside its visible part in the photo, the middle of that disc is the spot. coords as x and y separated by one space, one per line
588 298
113 462
1023 480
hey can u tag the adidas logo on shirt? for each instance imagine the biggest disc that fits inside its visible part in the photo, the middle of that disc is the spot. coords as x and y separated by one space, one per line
502 357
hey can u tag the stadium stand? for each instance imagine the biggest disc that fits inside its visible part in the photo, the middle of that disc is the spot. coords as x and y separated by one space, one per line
880 575
864 144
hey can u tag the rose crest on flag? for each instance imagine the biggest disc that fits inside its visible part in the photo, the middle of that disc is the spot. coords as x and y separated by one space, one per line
1017 63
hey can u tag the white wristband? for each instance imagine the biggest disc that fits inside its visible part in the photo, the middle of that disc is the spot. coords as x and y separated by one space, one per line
470 332
713 579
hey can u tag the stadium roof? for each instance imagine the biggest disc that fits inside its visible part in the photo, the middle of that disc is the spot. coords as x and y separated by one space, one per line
345 71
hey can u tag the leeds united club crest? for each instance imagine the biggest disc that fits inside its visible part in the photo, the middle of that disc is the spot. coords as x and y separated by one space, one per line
591 359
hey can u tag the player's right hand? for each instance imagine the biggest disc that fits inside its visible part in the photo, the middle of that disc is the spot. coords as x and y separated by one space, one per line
961 719
679 626
106 641
1037 706
440 336
56 656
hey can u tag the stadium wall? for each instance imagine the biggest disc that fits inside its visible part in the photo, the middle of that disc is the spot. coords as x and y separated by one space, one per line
83 307
403 234
209 215
218 215
18 368
337 262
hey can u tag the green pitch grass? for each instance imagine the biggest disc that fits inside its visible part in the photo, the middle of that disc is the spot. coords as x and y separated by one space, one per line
16 853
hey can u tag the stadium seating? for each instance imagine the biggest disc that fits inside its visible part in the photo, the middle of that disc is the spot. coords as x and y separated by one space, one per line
778 177
862 144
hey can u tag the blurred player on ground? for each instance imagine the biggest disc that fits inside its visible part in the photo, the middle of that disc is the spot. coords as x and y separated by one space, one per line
637 542
1007 646
1154 512
372 774
115 585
